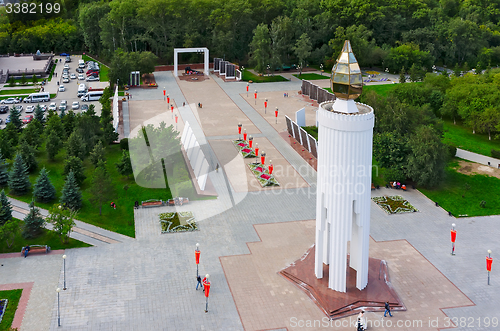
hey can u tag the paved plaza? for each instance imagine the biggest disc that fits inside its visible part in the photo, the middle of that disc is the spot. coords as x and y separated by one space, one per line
247 235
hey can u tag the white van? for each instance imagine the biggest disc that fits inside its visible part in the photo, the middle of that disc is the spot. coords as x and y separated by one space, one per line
92 96
81 64
37 97
82 89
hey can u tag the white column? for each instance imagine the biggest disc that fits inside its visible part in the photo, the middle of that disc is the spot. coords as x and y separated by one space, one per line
176 53
207 59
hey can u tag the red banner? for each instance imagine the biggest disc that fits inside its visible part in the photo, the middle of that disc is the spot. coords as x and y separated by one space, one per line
207 288
489 261
197 256
453 235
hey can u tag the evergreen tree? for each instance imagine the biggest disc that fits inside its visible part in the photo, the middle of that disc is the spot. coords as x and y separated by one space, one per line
63 112
97 154
43 190
69 122
19 182
53 145
4 174
54 124
402 75
5 208
101 188
12 81
24 80
125 166
108 133
39 114
31 134
456 70
15 117
75 165
71 197
414 77
34 79
5 145
33 223
28 154
75 145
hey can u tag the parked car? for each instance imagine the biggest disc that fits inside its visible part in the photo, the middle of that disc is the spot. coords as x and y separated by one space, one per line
66 66
53 106
62 88
10 101
85 107
81 77
75 105
43 107
27 119
7 120
4 109
30 109
80 70
66 80
1 121
72 76
92 78
92 71
19 108
62 107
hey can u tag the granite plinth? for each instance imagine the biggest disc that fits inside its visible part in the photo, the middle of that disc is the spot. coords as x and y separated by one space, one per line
338 304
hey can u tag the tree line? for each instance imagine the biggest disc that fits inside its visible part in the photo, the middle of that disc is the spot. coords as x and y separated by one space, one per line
391 33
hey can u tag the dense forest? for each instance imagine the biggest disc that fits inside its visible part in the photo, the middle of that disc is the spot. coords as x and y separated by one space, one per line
387 33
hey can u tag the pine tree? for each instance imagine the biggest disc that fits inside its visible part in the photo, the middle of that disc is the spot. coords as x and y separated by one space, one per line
15 117
71 197
75 164
125 166
53 145
33 223
4 174
11 133
54 124
39 114
28 154
97 154
43 190
19 182
69 122
75 145
5 209
5 145
31 135
101 188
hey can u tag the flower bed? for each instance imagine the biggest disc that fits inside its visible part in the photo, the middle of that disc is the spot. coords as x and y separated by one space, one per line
395 204
263 175
243 148
3 307
177 222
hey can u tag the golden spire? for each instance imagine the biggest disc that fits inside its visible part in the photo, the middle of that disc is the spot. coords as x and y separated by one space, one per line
346 82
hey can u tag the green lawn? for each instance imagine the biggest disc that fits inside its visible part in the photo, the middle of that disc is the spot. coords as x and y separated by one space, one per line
247 75
454 197
119 220
47 237
462 137
23 91
6 97
13 296
312 76
312 130
104 70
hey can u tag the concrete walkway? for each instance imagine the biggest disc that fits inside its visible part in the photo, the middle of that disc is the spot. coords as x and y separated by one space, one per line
478 158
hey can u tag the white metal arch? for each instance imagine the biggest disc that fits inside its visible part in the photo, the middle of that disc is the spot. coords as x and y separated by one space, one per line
191 50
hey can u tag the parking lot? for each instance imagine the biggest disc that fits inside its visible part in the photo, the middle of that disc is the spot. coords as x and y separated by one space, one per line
70 89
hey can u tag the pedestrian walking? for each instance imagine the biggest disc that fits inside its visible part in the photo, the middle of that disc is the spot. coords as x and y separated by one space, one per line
217 168
198 279
26 250
387 309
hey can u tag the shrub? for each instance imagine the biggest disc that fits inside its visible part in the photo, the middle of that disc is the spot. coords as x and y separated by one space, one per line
124 144
452 150
495 154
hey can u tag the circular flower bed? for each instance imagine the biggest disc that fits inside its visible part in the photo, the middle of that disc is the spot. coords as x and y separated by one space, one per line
177 222
395 204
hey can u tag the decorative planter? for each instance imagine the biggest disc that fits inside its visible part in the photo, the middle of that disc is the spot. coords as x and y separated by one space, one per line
395 204
152 203
262 174
177 222
243 148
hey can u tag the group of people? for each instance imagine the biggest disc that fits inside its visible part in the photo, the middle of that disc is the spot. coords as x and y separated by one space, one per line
361 321
202 282
398 185
285 95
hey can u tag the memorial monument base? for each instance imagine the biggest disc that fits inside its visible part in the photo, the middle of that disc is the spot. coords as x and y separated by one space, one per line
338 304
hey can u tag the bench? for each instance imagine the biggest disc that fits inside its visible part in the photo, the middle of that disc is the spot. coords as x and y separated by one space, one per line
373 186
177 201
146 204
37 248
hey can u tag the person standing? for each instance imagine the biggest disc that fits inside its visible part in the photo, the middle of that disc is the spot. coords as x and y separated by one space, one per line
198 278
26 250
387 309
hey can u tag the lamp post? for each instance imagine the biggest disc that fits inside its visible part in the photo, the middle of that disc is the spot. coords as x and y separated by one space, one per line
276 114
265 107
489 262
256 151
245 134
250 141
453 238
247 89
262 157
58 311
64 273
176 118
271 168
197 258
168 99
164 91
239 131
255 96
172 110
206 286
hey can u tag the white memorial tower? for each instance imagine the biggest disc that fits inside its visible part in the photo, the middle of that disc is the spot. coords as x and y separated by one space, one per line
344 177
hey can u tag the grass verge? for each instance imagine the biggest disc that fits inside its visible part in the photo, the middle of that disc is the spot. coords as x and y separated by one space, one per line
47 237
13 296
462 194
23 91
462 137
247 76
311 76
104 70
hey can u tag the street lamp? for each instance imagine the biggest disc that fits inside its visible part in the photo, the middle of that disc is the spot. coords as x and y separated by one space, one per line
250 141
247 89
453 238
176 118
164 91
265 107
64 264
239 131
245 134
58 311
172 110
206 286
255 95
276 114
489 262
262 157
256 151
197 257
168 99
271 168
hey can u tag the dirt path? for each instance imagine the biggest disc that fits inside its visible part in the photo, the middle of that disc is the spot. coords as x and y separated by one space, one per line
468 168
